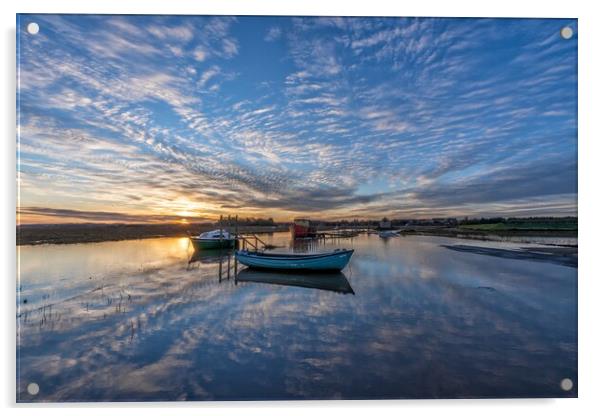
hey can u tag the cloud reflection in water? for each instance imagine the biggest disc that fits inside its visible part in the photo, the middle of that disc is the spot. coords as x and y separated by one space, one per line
424 322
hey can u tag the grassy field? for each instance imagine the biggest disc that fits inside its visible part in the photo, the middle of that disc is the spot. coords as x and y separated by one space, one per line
533 226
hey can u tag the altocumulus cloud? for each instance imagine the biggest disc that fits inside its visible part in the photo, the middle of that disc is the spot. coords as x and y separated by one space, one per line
134 116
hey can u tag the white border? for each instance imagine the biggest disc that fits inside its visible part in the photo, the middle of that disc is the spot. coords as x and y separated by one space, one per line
590 208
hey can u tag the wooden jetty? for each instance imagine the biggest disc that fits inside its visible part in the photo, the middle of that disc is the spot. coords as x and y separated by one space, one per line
338 234
251 241
244 241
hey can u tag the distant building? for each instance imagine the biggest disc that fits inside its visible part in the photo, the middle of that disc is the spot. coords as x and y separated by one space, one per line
303 227
384 224
448 222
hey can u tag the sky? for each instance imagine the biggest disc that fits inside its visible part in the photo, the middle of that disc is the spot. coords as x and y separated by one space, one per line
184 118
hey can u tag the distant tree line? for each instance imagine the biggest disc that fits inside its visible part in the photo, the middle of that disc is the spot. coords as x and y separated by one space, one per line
254 221
451 221
400 222
521 220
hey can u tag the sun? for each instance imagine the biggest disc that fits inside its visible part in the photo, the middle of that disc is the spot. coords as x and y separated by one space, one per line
184 221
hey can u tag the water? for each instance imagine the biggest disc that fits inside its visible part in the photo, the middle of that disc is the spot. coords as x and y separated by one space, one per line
137 320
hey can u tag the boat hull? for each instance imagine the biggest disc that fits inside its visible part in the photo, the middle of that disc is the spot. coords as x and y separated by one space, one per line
327 262
212 244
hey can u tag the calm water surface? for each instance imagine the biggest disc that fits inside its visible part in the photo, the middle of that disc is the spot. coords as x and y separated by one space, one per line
148 320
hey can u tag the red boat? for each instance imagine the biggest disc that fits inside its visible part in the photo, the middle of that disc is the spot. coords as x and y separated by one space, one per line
303 228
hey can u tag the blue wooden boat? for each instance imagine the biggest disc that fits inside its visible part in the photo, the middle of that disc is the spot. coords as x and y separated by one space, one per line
333 261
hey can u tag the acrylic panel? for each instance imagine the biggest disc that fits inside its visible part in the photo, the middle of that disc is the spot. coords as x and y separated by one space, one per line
288 208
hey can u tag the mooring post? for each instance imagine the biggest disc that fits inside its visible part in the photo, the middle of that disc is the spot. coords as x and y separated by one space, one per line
220 227
228 265
236 227
220 265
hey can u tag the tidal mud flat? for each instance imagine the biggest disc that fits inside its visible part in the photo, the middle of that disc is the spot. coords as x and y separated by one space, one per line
563 256
483 234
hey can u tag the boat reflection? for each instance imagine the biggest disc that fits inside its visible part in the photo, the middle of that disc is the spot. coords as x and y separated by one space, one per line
209 256
333 282
306 245
223 258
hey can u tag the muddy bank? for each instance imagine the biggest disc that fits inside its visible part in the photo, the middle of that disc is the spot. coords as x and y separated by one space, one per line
486 234
92 233
564 256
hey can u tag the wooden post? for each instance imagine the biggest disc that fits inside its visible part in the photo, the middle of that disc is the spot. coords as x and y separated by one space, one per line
228 265
220 227
220 265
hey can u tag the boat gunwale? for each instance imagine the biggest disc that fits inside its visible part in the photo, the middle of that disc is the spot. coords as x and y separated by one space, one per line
292 256
196 238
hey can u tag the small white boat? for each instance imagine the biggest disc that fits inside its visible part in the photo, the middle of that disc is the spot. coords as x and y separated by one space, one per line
213 239
388 234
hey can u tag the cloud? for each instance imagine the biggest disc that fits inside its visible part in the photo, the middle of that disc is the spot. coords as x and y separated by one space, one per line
351 116
230 47
213 39
273 33
207 75
180 33
542 178
200 54
98 216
